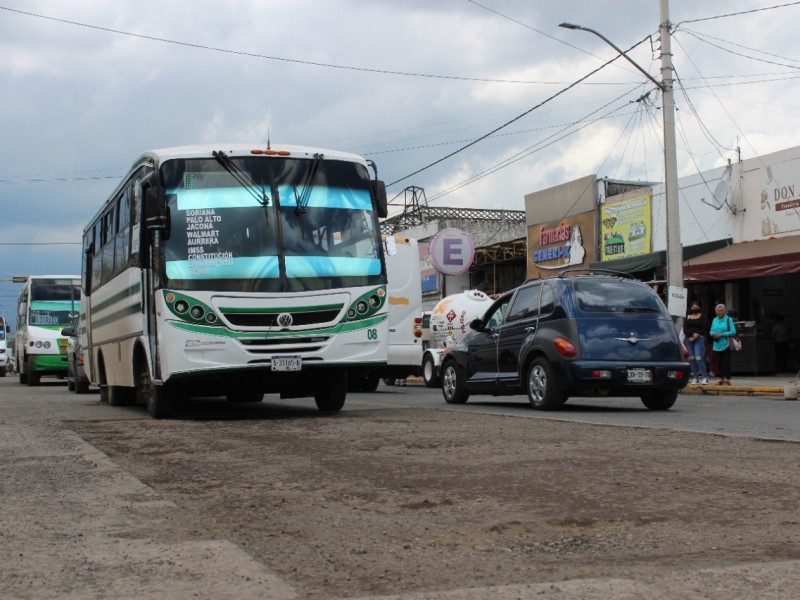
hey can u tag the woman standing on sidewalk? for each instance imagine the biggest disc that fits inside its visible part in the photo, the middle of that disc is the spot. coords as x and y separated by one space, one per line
695 327
722 329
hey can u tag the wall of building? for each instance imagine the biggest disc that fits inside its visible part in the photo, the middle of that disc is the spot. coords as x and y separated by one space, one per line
555 203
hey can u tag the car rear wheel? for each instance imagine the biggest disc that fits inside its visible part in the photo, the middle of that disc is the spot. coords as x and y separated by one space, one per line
660 399
453 388
542 388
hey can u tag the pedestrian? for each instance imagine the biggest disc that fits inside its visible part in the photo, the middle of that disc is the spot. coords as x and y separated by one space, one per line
780 335
722 329
695 326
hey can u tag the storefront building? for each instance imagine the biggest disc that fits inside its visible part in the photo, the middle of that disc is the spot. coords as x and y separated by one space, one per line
740 234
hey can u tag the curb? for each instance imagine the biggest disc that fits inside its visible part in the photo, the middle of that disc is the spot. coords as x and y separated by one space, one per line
775 393
735 390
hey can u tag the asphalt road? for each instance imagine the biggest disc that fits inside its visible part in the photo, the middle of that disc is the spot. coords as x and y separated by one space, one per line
766 418
400 497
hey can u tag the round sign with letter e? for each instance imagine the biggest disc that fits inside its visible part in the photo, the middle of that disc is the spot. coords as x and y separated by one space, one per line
452 251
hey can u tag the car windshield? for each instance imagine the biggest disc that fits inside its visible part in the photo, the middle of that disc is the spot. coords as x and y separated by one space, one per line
615 295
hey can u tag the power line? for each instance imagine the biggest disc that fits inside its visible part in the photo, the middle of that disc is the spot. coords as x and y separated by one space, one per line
729 51
275 58
541 145
518 117
40 243
736 14
705 35
539 31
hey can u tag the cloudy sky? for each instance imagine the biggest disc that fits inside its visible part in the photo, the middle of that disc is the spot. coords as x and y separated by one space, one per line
87 85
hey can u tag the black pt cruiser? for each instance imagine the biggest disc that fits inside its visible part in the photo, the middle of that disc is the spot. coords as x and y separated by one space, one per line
575 334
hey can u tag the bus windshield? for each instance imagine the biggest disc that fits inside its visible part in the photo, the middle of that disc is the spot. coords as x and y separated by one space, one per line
284 224
54 302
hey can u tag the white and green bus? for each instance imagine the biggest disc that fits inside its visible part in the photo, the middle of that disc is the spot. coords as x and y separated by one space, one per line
235 270
47 304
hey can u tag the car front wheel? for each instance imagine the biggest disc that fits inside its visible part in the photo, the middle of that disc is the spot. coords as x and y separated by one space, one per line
543 390
453 388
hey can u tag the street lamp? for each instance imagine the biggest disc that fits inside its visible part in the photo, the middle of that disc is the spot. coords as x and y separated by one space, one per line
674 249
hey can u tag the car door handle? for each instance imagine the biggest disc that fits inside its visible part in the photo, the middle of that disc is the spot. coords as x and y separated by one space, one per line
530 329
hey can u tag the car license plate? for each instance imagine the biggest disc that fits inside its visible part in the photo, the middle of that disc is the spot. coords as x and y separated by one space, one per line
286 363
640 376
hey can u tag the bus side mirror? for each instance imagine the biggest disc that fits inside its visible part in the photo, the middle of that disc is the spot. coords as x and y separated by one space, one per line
379 192
156 211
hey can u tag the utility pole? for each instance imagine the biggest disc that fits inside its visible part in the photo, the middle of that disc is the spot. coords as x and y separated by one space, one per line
674 247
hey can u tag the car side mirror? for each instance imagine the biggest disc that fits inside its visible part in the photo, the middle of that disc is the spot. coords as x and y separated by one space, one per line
476 324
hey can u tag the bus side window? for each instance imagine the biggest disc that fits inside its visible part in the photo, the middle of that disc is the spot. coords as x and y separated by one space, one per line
97 254
109 235
86 262
123 238
136 212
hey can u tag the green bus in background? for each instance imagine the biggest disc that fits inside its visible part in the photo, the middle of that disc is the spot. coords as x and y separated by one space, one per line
47 304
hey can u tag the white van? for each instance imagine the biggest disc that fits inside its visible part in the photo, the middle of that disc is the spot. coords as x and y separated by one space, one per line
405 315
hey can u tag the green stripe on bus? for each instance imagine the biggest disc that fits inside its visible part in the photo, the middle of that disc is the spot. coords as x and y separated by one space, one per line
224 332
126 293
278 310
50 362
117 315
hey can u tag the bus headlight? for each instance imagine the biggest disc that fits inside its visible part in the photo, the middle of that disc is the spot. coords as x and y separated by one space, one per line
46 345
197 312
181 306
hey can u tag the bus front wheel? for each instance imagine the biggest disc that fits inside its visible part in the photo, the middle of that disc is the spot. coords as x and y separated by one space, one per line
158 398
330 392
33 375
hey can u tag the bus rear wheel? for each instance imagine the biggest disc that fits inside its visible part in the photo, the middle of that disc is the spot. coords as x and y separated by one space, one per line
330 392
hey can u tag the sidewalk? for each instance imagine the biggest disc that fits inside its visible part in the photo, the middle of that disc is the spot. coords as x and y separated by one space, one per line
768 386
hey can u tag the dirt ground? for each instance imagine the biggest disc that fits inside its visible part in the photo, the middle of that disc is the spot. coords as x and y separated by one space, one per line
394 501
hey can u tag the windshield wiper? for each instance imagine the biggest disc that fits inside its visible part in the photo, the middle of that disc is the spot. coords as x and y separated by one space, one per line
241 177
304 196
639 309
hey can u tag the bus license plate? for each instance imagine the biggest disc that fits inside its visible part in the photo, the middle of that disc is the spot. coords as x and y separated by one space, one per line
640 376
286 363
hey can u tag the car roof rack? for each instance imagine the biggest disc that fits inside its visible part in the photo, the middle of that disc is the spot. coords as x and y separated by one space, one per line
608 272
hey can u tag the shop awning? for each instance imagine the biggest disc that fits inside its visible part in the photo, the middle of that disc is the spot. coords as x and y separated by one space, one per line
761 258
646 262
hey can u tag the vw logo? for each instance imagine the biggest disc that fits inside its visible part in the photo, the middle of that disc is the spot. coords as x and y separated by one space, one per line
285 320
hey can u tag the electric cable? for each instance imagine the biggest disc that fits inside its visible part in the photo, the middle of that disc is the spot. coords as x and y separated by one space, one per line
517 118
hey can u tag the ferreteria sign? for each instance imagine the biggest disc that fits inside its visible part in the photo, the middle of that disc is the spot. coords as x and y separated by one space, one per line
560 245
